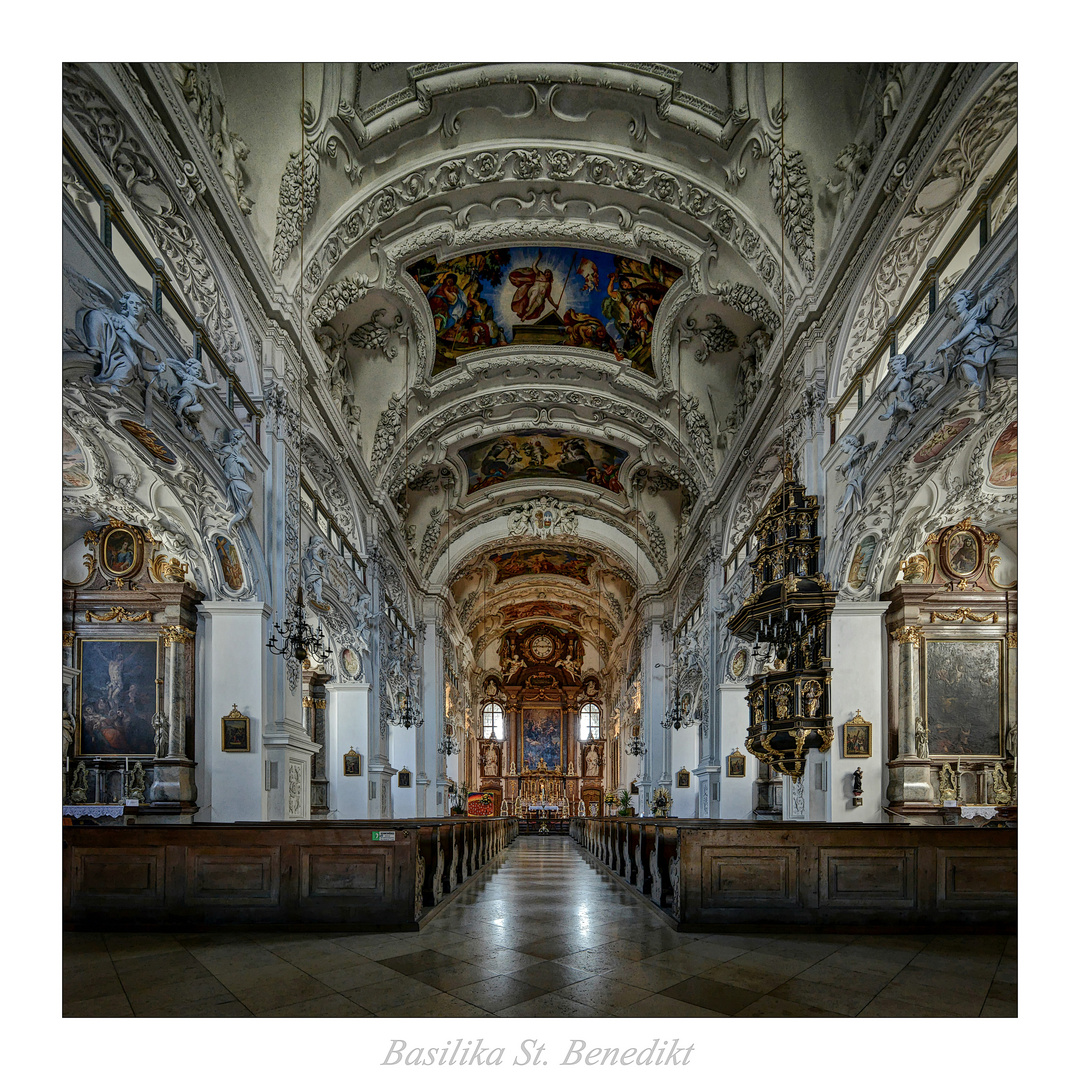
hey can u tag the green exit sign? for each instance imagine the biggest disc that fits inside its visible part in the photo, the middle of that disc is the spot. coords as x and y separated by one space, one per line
383 835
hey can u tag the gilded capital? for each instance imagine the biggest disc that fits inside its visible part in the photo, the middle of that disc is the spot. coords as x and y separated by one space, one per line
907 635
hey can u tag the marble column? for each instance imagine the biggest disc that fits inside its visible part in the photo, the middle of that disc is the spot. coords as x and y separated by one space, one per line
910 780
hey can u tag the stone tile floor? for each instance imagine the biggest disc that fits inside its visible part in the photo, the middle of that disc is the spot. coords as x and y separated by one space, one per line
540 933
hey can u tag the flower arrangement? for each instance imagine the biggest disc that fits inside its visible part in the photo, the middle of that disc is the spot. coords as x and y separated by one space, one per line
660 802
611 798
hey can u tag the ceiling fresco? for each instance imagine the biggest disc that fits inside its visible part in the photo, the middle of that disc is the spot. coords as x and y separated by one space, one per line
545 296
541 609
538 453
571 564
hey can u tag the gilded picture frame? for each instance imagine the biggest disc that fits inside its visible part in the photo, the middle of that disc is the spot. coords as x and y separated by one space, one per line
352 763
404 778
235 732
962 553
121 551
682 778
736 764
858 737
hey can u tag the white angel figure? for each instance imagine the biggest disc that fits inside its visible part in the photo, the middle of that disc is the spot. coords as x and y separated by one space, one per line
184 400
109 330
236 468
984 321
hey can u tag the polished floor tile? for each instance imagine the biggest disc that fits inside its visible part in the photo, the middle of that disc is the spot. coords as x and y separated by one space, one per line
542 932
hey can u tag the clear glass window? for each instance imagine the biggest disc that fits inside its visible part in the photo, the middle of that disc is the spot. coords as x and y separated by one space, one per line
492 721
590 721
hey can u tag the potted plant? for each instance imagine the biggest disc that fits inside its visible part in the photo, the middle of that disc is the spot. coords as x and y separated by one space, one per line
625 810
661 802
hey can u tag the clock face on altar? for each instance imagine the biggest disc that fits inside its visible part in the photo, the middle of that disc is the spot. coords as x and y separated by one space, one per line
541 646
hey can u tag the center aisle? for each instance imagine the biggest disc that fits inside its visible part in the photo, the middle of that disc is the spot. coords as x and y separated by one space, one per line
540 932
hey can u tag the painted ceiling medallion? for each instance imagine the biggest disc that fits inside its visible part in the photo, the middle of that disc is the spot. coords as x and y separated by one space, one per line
538 453
577 298
571 564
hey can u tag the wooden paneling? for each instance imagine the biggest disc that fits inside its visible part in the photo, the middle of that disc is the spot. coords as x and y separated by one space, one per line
297 875
733 875
858 876
132 875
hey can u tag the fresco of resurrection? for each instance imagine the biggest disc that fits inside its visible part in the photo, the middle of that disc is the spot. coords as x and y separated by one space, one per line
575 298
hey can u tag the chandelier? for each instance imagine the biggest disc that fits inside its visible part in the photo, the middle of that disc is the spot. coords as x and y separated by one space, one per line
409 716
298 640
635 745
448 745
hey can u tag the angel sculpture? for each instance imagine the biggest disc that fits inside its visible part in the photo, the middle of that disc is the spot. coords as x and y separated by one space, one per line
109 331
853 163
984 321
313 564
854 471
184 399
236 468
910 392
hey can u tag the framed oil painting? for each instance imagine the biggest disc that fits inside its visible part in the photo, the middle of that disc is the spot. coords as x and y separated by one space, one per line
963 696
738 663
353 764
404 778
120 551
736 764
117 696
229 557
857 739
962 554
682 778
235 732
541 737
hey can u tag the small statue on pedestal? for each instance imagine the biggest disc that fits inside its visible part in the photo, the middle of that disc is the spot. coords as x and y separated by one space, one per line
856 787
1002 795
161 734
80 784
137 782
947 784
922 738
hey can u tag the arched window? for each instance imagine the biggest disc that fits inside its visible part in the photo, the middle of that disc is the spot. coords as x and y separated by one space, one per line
590 721
491 720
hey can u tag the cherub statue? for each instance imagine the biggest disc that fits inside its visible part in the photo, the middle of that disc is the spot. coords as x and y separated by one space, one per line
231 151
852 162
184 400
854 471
910 392
980 337
110 331
236 468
